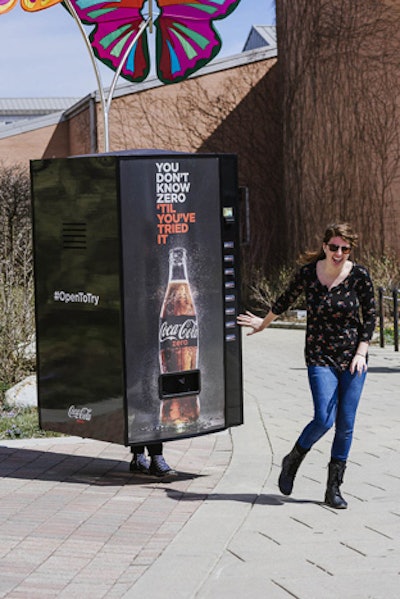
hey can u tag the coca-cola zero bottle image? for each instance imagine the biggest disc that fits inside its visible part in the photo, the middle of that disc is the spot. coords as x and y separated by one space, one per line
178 341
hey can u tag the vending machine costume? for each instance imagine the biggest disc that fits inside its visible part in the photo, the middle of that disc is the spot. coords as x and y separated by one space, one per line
137 290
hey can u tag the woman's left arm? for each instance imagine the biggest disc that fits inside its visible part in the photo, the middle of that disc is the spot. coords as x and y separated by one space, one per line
368 309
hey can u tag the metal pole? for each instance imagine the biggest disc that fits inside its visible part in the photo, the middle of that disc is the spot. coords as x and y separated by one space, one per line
381 321
106 105
396 318
107 108
92 58
151 16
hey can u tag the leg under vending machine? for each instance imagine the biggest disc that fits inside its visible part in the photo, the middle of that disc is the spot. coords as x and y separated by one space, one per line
137 288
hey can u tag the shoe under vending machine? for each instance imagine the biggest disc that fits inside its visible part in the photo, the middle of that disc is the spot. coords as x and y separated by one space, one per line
137 289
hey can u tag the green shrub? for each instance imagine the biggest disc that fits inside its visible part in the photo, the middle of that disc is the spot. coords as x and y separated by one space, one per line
263 290
16 277
384 270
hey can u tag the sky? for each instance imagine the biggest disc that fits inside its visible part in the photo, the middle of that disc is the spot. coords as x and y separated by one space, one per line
42 54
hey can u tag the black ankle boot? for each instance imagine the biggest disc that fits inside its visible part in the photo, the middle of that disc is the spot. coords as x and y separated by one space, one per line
333 497
290 465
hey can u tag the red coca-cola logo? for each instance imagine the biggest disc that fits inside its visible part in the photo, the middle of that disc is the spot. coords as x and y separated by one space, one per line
178 329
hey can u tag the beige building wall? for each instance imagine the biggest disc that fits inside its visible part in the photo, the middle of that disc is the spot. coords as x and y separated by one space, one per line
46 142
82 132
181 116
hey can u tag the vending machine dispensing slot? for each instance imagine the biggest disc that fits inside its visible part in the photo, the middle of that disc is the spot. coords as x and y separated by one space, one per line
174 384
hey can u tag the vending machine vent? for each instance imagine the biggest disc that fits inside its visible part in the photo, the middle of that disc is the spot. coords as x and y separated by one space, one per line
74 235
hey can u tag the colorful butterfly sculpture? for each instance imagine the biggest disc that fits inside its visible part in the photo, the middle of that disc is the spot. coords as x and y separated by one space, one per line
29 5
185 37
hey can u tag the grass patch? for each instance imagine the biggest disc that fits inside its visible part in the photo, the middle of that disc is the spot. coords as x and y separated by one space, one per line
22 423
388 335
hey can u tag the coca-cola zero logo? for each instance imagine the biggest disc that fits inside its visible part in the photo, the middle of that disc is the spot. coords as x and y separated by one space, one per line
178 330
80 414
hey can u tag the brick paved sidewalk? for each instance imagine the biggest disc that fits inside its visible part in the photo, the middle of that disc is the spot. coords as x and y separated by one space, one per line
247 540
74 520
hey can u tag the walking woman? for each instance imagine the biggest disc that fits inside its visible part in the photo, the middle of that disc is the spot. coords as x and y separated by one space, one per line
340 323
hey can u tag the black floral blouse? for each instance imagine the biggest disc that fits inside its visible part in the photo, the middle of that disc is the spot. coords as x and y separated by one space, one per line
334 327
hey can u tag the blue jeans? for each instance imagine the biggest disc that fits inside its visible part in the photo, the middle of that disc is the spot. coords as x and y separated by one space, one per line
335 395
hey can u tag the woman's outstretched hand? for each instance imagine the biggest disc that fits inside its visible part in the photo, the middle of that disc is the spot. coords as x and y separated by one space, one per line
251 320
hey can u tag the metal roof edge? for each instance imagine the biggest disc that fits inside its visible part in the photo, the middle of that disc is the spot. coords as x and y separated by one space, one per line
31 124
222 64
80 105
26 105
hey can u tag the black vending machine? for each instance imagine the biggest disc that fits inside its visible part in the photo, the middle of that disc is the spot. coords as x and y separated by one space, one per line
137 291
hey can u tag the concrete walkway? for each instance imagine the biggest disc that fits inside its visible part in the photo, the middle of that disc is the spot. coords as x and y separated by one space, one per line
75 522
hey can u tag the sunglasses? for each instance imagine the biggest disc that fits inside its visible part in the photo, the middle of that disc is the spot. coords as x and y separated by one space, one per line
334 248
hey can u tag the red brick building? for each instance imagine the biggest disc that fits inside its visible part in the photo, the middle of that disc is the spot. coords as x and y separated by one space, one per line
316 133
229 106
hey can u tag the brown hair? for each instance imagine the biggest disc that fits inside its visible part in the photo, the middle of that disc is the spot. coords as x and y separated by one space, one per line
343 230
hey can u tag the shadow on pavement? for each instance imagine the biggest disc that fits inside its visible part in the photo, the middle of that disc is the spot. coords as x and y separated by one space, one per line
30 464
382 369
263 499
